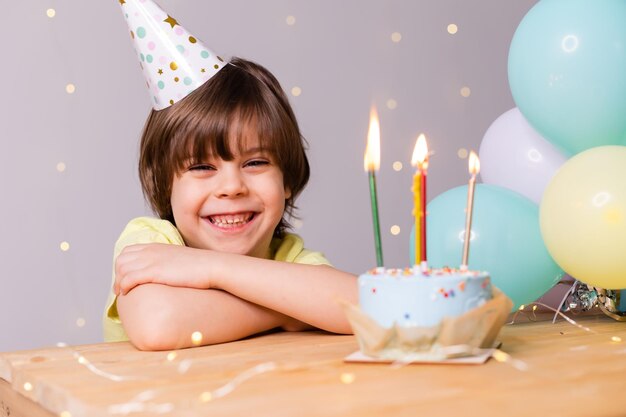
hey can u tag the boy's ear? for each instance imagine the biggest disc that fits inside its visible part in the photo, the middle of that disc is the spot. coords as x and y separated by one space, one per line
287 193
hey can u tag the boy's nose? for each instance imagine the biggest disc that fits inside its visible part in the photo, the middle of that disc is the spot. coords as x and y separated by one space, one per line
231 184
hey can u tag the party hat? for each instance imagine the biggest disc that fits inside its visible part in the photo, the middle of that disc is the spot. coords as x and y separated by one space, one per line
173 61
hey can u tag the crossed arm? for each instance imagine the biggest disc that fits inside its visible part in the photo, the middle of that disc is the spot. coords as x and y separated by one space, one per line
167 292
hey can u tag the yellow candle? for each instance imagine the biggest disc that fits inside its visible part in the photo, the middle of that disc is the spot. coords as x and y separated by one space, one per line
420 161
417 210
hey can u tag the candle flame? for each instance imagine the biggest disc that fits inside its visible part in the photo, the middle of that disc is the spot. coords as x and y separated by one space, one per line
371 161
420 153
474 163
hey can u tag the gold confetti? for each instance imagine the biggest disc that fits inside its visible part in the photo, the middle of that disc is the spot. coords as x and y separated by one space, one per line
392 104
462 153
61 167
452 29
171 356
396 37
397 166
80 322
466 92
192 39
291 20
173 66
28 386
206 396
64 246
616 339
51 13
522 307
70 88
296 91
395 230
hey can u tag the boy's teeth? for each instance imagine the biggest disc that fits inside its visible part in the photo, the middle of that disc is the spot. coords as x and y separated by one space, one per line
231 220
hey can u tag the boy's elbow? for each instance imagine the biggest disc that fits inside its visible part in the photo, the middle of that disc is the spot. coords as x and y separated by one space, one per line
149 320
156 331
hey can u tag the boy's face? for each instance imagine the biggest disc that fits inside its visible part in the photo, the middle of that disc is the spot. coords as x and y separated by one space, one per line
231 206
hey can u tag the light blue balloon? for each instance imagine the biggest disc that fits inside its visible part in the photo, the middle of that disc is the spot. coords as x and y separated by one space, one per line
506 240
567 72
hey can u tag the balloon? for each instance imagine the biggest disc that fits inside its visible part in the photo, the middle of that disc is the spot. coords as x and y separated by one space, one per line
506 240
583 217
513 155
567 66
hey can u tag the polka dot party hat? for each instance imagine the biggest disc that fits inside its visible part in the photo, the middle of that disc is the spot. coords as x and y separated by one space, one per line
173 61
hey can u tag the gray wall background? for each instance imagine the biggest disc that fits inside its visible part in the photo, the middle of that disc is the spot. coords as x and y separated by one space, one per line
340 54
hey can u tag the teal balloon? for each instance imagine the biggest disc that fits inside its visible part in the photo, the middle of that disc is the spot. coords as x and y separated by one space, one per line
567 72
506 240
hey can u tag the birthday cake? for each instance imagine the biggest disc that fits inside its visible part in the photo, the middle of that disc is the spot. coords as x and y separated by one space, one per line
409 297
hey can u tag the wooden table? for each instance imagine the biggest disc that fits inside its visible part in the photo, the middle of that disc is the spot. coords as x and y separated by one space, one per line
570 372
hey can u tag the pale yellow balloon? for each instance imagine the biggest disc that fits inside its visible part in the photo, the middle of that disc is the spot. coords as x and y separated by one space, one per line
583 217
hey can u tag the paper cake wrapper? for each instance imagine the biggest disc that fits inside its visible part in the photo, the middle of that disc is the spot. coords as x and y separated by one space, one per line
453 337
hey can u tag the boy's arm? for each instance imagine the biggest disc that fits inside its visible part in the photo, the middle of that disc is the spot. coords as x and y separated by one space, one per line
162 317
308 293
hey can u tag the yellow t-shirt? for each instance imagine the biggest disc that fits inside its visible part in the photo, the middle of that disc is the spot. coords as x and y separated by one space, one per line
150 230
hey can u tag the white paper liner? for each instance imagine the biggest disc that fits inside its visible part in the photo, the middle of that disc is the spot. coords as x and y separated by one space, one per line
476 329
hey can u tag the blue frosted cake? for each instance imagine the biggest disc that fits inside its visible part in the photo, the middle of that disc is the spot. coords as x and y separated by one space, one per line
410 297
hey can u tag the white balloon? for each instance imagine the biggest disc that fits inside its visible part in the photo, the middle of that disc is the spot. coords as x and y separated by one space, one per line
513 155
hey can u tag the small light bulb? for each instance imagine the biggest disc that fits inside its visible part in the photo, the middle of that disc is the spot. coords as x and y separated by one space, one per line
196 338
347 378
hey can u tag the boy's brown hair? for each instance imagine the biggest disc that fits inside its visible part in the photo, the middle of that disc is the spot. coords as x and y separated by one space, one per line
202 124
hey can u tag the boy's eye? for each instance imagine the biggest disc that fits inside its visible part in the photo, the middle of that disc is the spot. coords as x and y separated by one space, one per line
201 167
257 162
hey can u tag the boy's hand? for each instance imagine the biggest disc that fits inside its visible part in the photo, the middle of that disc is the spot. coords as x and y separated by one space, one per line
177 266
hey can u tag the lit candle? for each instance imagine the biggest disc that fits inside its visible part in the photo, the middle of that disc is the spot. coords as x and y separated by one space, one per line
371 163
474 168
420 161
